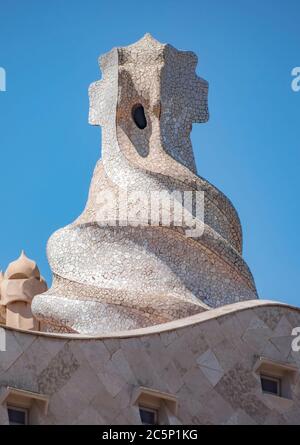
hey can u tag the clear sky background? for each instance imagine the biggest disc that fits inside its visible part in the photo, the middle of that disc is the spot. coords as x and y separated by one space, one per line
249 148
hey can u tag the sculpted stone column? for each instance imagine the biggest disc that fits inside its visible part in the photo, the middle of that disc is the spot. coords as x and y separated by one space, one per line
120 265
20 283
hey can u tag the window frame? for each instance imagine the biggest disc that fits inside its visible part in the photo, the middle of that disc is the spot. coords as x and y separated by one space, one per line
18 408
151 410
272 378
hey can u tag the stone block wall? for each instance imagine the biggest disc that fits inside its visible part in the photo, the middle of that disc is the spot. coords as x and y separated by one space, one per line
206 360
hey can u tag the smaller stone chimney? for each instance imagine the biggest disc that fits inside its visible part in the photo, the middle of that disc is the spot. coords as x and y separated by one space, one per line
19 284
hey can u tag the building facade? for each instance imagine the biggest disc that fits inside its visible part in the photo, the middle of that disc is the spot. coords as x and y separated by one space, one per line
153 315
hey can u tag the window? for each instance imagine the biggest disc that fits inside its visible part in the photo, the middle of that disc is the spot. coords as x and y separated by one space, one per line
155 407
148 416
276 377
17 416
271 385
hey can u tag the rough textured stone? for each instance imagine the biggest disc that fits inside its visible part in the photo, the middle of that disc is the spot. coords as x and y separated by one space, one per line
116 273
158 298
89 384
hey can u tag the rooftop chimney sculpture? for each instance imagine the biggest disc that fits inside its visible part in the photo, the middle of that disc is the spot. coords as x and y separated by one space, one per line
20 283
116 267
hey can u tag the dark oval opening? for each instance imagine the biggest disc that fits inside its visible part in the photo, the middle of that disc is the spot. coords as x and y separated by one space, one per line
138 115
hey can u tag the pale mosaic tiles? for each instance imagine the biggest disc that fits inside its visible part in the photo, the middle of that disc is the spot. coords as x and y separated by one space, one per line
109 278
147 306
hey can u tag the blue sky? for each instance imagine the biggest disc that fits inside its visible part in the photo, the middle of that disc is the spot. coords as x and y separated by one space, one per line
249 148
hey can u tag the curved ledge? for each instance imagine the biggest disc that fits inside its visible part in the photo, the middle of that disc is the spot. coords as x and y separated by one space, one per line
170 326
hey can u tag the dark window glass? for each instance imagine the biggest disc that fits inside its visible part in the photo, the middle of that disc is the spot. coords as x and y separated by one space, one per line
138 115
270 385
148 416
16 416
